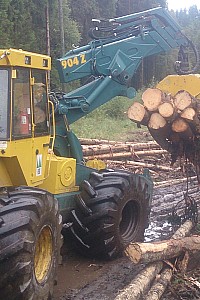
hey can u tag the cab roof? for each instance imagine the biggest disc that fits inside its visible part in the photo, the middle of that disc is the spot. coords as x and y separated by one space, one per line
20 58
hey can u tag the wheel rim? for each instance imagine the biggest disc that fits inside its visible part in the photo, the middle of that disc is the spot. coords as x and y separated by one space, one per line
129 221
43 254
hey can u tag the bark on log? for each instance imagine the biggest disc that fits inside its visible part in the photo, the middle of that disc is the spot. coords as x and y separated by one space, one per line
148 252
184 130
138 114
152 98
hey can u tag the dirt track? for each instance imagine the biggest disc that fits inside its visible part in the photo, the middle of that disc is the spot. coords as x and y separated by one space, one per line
80 278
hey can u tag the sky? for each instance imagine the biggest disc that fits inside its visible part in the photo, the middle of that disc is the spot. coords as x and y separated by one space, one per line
181 4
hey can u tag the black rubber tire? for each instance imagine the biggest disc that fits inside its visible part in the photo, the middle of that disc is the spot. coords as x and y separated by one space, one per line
112 211
24 213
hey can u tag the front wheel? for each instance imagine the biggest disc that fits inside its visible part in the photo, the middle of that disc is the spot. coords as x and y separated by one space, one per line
112 211
30 232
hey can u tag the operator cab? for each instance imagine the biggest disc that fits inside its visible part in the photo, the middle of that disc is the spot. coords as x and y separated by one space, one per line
24 109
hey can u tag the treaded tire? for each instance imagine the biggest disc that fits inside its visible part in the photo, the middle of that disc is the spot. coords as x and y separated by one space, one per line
112 211
25 214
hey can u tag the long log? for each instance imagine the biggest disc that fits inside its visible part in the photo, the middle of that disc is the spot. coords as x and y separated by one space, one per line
104 149
128 154
148 252
143 165
85 141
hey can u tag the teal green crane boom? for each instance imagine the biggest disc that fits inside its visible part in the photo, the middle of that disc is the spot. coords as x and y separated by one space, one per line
113 56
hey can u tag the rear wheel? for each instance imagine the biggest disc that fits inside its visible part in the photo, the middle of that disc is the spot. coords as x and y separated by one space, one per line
112 211
30 243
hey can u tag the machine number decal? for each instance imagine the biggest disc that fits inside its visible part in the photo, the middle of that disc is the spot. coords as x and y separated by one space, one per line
3 145
39 165
75 61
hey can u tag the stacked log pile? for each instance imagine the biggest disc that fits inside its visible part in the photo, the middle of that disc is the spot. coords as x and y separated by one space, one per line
174 122
131 156
162 259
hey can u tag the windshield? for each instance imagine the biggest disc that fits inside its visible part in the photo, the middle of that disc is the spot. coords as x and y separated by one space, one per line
3 103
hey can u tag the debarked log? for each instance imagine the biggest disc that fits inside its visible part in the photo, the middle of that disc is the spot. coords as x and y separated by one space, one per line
148 252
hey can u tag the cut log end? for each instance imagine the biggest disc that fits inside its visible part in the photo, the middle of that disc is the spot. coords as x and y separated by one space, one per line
137 113
152 98
156 121
166 110
182 100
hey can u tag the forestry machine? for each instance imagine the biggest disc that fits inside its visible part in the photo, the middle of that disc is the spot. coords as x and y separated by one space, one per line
43 173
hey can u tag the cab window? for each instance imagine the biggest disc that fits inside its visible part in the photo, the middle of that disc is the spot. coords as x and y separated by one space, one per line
40 102
21 104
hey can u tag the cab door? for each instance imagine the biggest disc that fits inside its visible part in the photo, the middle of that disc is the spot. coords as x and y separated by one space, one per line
30 124
41 130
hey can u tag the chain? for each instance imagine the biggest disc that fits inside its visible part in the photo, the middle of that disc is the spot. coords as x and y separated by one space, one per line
189 208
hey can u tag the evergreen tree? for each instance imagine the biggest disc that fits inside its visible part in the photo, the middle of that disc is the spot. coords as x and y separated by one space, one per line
6 25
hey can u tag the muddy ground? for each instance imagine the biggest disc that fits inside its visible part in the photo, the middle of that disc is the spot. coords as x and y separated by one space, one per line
81 278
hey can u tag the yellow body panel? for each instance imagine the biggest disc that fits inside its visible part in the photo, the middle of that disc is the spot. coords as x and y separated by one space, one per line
174 83
61 177
20 58
20 159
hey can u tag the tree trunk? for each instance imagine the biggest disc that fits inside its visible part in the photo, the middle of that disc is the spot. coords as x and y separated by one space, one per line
148 252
